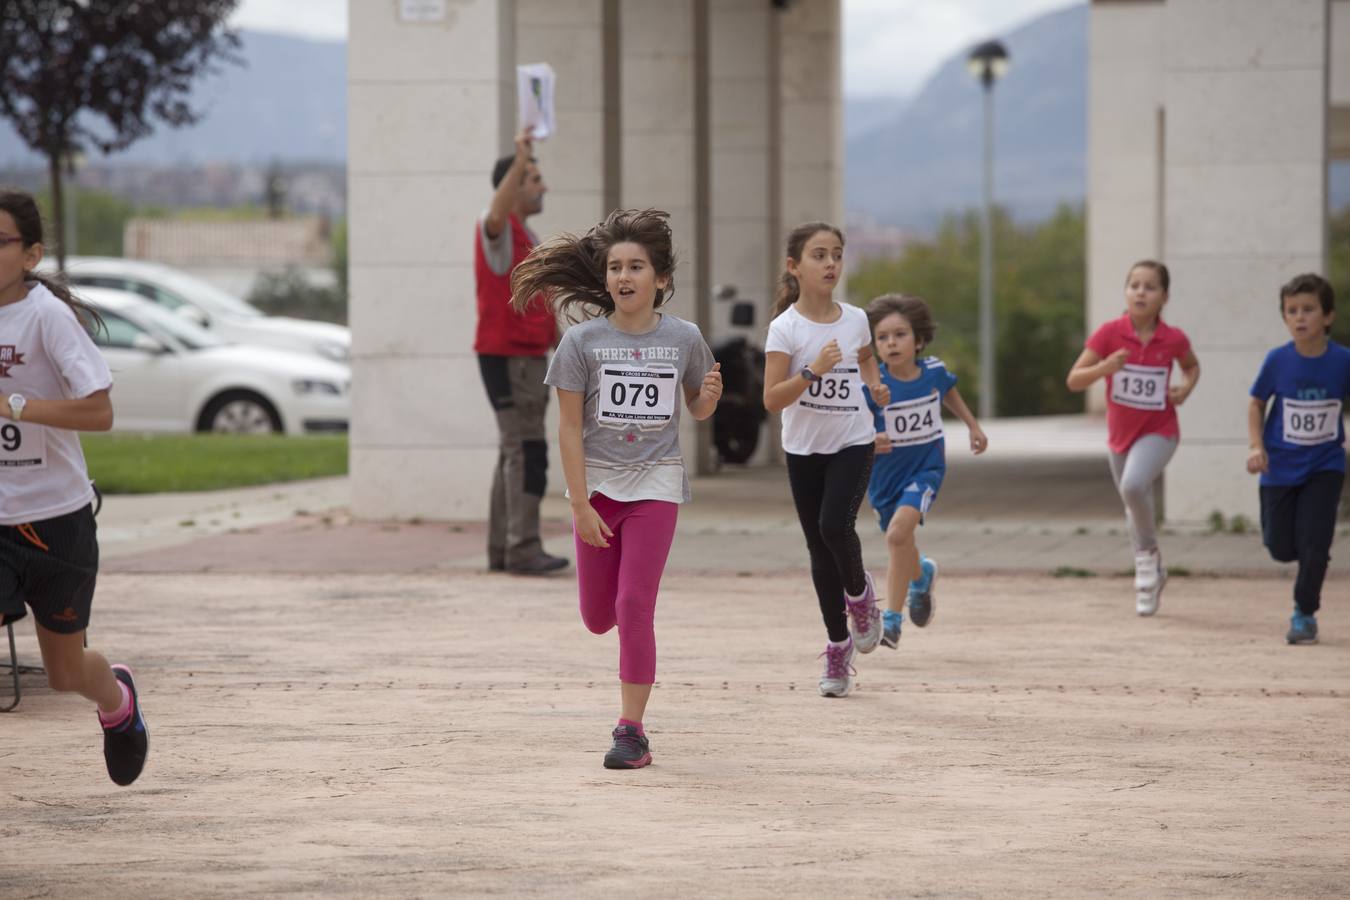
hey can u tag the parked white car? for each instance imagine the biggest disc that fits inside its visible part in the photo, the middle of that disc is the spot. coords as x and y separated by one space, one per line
199 301
170 374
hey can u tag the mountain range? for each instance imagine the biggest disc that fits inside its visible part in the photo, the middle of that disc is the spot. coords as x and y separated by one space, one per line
908 160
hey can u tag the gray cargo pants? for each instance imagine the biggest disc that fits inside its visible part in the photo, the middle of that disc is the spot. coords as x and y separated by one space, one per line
515 388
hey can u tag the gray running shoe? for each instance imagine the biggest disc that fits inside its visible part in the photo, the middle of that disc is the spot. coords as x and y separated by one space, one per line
837 679
864 619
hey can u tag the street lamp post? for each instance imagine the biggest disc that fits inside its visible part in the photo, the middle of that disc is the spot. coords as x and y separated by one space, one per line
987 62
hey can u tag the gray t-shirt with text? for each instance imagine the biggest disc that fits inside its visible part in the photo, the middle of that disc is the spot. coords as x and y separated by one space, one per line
634 386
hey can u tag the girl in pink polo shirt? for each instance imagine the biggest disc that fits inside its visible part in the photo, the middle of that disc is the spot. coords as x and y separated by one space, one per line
1134 353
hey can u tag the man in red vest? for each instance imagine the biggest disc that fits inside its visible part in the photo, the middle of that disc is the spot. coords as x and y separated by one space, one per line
512 353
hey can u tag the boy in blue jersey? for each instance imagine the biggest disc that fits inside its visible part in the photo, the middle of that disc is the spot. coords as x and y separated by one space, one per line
1299 449
911 460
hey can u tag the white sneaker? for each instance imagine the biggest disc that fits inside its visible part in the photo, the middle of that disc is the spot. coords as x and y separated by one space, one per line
864 618
1149 578
837 679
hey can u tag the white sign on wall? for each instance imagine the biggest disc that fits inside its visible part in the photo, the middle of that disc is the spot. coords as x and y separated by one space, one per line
534 98
422 10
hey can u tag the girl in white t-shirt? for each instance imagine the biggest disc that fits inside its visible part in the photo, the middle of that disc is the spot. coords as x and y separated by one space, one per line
54 383
817 358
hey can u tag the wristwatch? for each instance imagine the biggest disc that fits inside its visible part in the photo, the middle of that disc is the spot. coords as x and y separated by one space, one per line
16 404
808 374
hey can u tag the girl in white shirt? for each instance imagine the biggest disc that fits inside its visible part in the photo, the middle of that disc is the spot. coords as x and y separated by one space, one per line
54 383
817 358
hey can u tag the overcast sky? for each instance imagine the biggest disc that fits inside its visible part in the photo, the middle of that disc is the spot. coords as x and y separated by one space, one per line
890 46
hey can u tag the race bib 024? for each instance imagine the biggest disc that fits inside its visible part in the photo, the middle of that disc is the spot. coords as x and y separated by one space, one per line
838 391
1140 387
637 395
22 447
912 422
1311 422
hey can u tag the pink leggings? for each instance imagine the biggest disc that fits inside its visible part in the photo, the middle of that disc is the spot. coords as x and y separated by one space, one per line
618 585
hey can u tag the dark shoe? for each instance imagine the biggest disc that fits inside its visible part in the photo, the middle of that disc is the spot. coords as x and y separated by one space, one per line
543 564
629 750
125 746
496 565
1302 629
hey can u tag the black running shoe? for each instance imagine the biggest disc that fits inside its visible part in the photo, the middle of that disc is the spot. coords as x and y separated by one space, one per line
125 746
629 750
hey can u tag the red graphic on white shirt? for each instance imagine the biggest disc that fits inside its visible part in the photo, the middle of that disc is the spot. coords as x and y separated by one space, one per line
9 357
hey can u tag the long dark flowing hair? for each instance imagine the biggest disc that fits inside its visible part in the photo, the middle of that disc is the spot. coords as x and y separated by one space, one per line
569 271
788 288
23 209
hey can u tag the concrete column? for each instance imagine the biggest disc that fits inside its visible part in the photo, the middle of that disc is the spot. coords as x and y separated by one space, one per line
743 249
431 106
1245 176
1125 144
811 124
663 49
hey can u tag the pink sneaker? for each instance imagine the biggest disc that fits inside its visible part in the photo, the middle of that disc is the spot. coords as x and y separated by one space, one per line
837 679
864 619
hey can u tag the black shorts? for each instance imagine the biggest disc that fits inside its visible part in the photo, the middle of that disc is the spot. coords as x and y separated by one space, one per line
52 566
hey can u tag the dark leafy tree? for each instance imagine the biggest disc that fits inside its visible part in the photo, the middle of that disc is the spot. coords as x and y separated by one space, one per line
82 75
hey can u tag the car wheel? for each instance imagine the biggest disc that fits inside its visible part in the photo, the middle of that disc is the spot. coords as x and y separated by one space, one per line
239 412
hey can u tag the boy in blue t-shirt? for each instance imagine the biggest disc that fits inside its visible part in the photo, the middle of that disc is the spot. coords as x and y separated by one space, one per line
1299 449
911 461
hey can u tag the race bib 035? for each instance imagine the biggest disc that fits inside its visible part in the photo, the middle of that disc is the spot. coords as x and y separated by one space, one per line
837 391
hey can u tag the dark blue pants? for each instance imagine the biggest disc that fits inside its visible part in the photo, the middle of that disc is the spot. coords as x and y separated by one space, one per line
1297 524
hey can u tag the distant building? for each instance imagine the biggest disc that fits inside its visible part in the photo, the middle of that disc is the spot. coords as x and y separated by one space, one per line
260 244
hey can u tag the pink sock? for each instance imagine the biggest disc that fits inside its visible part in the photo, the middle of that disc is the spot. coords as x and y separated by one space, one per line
123 712
632 724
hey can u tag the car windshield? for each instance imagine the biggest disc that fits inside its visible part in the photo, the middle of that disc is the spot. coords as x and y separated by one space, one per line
189 334
197 290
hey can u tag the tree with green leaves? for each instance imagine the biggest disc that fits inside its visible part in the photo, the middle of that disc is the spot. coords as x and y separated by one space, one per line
1040 289
80 75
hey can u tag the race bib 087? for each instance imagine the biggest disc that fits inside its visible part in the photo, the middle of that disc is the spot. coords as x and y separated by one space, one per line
1311 422
637 395
22 447
1140 387
838 391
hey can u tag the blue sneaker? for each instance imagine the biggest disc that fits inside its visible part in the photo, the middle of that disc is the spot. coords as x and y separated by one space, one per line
890 628
921 593
1302 629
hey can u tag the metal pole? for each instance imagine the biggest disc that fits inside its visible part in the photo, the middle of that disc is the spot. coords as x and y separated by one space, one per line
987 404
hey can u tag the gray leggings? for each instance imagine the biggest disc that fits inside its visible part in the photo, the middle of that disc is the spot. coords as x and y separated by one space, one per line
1135 473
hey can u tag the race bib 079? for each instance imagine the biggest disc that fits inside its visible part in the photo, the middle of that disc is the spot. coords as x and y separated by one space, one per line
637 395
1140 387
914 421
838 391
22 447
1311 422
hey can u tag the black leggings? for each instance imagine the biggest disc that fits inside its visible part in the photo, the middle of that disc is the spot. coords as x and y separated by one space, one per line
1298 523
827 489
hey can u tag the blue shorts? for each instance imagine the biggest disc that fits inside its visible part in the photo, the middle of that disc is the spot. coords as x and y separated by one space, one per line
920 492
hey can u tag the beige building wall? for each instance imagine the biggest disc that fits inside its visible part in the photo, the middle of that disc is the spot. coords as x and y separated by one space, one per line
1208 135
676 104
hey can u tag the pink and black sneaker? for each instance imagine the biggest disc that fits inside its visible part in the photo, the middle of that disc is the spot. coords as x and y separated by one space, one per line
630 750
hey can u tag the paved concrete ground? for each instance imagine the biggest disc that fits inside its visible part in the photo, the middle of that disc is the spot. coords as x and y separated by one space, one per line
354 709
